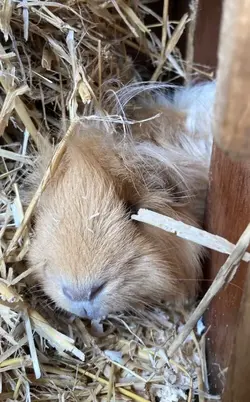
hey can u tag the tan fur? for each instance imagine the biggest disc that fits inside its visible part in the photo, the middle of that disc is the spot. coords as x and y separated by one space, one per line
84 237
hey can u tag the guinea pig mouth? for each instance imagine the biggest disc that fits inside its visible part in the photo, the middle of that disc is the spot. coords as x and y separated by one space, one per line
86 311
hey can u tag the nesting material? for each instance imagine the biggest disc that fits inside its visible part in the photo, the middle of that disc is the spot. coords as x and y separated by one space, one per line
225 274
55 58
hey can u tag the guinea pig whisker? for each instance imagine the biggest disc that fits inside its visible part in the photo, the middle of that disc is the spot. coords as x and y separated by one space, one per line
37 292
33 288
49 303
136 312
36 286
206 280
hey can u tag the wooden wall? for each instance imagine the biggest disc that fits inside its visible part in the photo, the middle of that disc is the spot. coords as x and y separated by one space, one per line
227 214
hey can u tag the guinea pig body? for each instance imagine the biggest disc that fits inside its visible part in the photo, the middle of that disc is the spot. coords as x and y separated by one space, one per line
90 257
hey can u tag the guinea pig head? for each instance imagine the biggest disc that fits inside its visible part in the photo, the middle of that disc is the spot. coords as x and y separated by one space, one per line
87 253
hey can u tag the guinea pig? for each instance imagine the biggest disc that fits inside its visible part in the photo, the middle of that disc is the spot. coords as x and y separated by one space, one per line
89 256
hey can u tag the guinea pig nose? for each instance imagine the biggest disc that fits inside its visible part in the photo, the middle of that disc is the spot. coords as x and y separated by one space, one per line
96 290
77 295
72 294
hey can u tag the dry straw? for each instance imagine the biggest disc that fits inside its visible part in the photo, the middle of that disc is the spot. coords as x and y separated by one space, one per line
225 274
55 58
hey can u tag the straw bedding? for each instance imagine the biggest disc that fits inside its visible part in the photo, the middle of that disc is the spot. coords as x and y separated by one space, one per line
55 58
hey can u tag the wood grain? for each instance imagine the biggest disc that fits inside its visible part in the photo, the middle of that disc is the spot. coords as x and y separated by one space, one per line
228 212
207 33
232 109
238 377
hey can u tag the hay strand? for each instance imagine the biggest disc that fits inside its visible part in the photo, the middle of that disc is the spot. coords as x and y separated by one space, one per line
57 60
224 276
187 232
48 174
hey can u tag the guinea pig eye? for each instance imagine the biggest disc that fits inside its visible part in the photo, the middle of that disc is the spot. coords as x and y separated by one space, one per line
131 209
96 290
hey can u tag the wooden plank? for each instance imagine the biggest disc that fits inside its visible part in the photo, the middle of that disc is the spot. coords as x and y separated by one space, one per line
207 33
232 109
238 377
228 212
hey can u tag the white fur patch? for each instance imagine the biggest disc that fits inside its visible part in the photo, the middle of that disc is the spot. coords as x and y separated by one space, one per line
198 103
